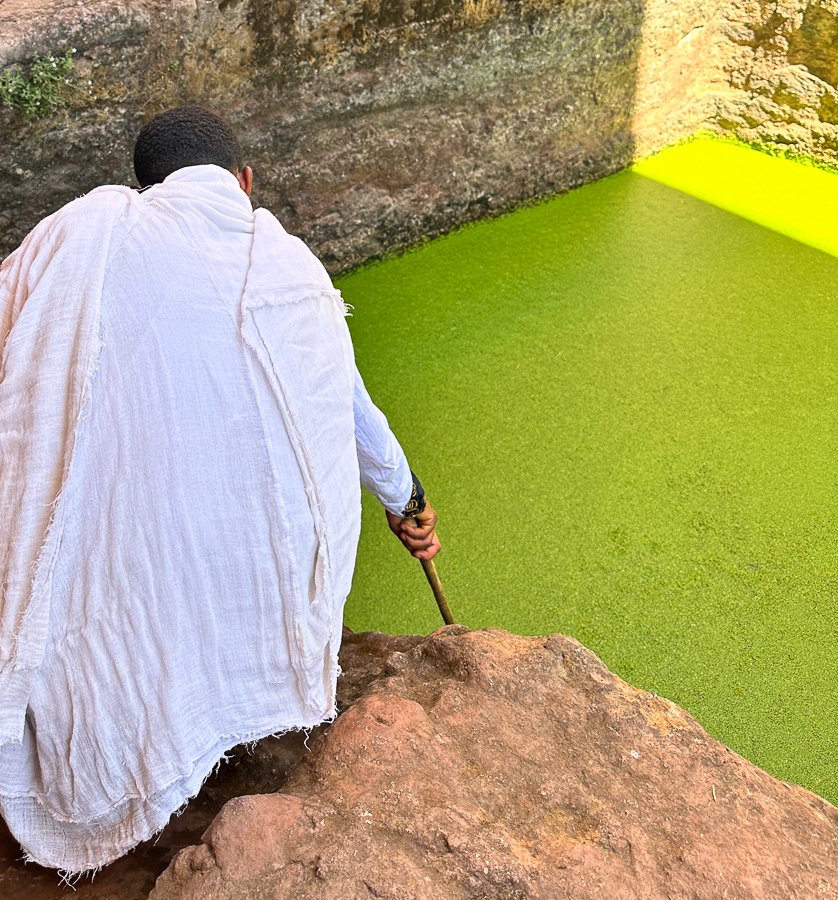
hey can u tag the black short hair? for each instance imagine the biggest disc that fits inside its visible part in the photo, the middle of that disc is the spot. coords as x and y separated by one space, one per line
186 136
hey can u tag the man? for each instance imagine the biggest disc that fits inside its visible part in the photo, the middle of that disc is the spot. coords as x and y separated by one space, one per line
183 435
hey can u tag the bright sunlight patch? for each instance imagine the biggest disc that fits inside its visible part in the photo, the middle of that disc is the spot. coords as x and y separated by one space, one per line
790 197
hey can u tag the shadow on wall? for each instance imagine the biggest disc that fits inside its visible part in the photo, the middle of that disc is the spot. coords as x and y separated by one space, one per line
370 127
814 44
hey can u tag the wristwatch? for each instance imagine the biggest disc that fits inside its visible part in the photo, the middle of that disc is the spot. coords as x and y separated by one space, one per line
417 501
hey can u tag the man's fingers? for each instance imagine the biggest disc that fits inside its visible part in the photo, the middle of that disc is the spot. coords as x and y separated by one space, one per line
418 535
427 518
416 531
429 552
418 542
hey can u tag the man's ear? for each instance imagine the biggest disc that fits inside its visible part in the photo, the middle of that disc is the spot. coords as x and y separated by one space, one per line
245 178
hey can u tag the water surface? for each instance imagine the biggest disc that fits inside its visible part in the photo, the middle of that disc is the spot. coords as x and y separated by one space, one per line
623 403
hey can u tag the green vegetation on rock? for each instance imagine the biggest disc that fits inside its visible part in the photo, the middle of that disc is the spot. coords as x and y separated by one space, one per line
37 89
623 402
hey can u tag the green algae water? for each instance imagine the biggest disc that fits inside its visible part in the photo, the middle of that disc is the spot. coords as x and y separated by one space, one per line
623 403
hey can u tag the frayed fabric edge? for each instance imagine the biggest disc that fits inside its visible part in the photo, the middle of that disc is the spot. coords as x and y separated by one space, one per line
70 877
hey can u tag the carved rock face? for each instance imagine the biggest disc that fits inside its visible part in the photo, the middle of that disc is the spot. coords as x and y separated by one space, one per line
372 125
781 75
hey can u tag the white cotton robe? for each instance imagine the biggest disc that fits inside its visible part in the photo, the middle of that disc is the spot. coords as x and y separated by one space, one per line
182 436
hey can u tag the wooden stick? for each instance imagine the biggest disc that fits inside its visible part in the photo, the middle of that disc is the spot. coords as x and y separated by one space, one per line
429 568
439 594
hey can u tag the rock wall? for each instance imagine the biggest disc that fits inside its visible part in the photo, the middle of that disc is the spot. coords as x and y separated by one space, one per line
680 71
373 125
370 125
781 75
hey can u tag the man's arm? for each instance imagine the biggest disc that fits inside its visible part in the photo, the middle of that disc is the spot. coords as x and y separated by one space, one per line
386 474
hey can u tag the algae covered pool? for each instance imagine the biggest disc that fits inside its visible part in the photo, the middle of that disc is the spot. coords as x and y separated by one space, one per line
623 404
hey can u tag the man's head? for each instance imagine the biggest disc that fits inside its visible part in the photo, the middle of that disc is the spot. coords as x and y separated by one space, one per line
186 136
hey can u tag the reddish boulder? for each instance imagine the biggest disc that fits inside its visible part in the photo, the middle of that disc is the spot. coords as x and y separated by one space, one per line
484 764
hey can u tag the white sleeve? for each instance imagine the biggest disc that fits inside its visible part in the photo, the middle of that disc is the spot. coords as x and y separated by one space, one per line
384 469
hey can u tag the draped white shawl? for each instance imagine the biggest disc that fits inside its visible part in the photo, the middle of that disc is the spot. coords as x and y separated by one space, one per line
179 493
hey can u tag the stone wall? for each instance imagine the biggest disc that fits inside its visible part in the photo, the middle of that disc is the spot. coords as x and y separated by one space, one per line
680 71
781 73
372 125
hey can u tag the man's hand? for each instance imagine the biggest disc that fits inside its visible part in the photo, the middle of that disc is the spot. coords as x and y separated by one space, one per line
418 535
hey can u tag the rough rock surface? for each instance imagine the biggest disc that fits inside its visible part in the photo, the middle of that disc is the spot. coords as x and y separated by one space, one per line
680 71
374 125
782 75
370 125
484 764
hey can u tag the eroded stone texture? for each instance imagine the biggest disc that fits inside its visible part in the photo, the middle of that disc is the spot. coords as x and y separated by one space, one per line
375 125
370 125
484 764
680 70
782 74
